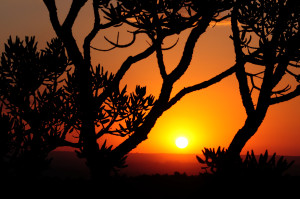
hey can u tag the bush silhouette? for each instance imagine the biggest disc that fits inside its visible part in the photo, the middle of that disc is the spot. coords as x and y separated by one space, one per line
29 95
221 163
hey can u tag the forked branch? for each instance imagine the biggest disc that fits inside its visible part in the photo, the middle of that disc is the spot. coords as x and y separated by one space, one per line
116 45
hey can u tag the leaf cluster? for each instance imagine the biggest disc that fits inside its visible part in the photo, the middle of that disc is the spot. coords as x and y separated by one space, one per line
269 37
220 162
118 114
266 165
20 154
107 163
25 69
168 17
122 114
29 96
215 160
40 104
269 20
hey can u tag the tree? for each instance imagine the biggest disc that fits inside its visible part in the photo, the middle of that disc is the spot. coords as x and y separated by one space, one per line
29 80
38 106
163 19
266 35
156 19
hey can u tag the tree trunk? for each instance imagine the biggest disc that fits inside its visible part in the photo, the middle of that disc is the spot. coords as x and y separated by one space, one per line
90 147
250 127
88 140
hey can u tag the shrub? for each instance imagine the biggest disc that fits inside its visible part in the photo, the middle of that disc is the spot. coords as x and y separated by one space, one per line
220 162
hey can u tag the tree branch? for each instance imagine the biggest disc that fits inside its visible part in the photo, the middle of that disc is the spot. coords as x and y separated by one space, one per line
189 48
286 97
160 61
73 13
117 45
51 6
88 39
201 85
123 69
240 72
65 35
222 18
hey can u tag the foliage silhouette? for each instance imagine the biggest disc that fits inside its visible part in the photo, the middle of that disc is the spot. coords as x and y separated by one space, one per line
30 93
6 138
39 107
268 38
157 20
220 162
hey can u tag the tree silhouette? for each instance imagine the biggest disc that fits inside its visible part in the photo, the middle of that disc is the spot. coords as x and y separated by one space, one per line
266 40
99 101
160 20
29 79
38 106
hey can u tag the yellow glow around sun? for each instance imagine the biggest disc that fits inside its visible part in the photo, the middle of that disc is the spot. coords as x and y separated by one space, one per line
181 142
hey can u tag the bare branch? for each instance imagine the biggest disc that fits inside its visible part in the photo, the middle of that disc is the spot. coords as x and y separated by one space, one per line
281 91
104 50
255 74
222 18
51 6
96 28
253 84
293 74
254 60
189 48
160 60
286 97
168 48
73 13
121 45
117 45
201 85
240 72
296 65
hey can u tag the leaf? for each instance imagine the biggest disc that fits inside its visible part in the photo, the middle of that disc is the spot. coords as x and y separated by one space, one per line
122 128
290 164
123 91
103 145
109 148
272 160
200 160
263 158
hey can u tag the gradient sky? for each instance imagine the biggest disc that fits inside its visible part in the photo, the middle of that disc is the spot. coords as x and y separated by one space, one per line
208 118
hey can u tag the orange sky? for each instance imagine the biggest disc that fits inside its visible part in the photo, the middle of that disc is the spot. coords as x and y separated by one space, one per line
208 118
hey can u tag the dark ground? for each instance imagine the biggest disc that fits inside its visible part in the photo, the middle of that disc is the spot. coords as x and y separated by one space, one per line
70 181
155 186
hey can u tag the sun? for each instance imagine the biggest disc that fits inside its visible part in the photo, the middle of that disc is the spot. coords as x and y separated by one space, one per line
181 142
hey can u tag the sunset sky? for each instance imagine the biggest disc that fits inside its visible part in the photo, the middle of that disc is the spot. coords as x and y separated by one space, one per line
207 118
